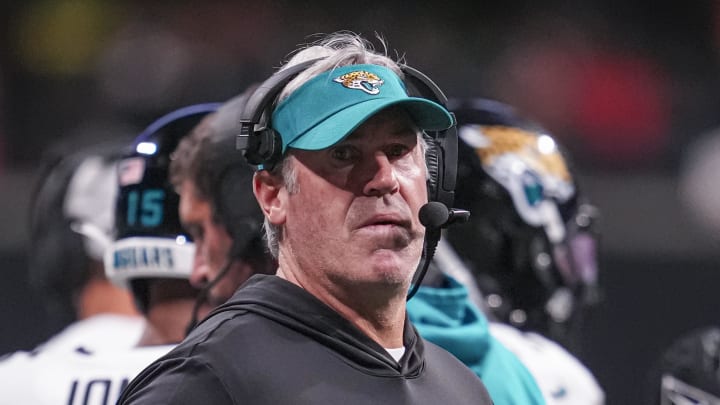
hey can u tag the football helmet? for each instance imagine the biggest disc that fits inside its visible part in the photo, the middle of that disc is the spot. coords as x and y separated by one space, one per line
531 240
150 242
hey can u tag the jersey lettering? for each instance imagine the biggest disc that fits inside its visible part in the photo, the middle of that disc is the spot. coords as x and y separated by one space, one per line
96 391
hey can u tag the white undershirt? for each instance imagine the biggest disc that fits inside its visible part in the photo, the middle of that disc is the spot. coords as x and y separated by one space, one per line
396 353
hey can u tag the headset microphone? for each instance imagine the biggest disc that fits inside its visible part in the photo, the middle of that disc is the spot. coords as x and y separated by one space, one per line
235 252
434 216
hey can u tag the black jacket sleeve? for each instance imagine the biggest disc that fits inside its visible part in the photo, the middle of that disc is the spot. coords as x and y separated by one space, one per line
178 382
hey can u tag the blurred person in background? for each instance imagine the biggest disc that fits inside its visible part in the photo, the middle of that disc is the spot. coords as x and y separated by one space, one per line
71 224
152 255
526 257
218 209
148 254
71 220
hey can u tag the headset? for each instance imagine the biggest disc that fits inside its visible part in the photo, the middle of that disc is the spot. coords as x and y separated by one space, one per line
262 146
234 205
229 190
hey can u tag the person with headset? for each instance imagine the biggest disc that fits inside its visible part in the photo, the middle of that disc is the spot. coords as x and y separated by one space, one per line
218 209
341 180
148 254
507 380
529 248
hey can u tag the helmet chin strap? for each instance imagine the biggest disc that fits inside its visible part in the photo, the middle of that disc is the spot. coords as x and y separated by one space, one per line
202 295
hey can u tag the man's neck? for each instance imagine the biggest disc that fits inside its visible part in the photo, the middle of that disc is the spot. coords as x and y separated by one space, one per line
166 322
99 296
382 318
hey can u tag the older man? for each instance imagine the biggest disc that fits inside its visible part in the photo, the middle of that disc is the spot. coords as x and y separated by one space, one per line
341 196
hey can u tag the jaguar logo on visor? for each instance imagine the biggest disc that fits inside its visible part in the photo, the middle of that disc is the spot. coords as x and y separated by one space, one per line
361 80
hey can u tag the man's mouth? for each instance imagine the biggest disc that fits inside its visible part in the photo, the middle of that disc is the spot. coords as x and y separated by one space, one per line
386 220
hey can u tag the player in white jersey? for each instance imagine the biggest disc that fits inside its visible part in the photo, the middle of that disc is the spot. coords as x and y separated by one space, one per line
529 245
149 254
73 377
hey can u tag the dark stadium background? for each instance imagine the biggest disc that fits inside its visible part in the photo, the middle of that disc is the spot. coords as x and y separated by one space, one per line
628 86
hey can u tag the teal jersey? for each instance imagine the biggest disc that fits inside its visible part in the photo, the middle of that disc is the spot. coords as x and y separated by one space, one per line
447 317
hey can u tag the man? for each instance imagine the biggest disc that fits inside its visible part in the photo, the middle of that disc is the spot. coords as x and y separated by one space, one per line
152 254
152 257
529 246
507 380
70 222
341 209
218 209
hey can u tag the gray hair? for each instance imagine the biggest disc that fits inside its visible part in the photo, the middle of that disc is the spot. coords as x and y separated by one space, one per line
338 49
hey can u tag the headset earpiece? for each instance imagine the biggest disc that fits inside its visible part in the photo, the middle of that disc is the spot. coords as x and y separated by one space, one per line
433 159
234 205
259 143
441 154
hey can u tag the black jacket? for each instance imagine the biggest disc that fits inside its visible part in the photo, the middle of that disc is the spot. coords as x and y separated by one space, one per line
274 343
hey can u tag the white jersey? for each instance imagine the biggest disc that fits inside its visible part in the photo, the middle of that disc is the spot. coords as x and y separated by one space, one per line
97 332
562 379
88 363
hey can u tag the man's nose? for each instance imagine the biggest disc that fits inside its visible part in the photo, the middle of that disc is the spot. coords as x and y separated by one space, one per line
200 272
383 178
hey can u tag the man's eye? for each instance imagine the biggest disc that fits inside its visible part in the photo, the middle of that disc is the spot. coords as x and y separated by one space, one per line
195 231
397 150
343 153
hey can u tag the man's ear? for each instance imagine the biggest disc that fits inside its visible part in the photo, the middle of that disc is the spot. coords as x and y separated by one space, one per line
271 195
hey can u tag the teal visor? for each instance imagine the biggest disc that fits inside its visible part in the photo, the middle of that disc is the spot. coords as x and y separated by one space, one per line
330 106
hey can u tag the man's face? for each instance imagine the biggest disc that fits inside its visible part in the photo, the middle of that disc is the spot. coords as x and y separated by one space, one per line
212 246
354 217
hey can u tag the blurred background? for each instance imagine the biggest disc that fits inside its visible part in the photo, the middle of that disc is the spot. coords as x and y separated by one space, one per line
630 87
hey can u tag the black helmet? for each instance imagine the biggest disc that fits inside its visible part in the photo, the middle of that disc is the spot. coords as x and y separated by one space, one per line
150 242
531 240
